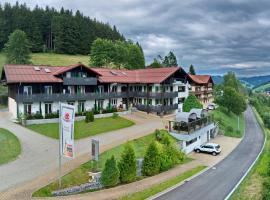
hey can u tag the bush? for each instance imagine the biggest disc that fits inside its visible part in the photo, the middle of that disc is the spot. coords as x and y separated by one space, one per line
170 157
89 116
110 174
128 165
34 116
266 119
162 137
151 162
191 102
229 129
115 115
51 115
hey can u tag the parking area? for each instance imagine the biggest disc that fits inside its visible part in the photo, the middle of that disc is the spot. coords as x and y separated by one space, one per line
227 144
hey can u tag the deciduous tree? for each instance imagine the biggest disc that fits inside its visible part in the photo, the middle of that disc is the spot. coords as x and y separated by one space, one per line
18 48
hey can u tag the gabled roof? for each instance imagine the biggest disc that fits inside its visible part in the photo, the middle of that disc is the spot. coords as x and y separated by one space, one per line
153 75
50 74
28 74
201 79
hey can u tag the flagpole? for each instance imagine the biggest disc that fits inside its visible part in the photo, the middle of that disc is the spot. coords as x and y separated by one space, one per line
60 139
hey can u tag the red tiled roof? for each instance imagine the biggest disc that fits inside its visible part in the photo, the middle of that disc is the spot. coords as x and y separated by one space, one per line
153 75
200 79
28 74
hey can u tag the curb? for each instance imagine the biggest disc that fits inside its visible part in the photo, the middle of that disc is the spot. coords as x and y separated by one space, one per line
251 166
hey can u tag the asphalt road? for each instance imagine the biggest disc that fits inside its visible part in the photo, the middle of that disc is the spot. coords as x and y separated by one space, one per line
216 183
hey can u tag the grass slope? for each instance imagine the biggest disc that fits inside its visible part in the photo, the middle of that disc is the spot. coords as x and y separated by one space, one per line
83 129
10 146
262 88
80 174
251 187
229 119
52 59
163 186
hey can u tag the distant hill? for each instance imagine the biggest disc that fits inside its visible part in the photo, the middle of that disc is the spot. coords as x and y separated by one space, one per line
256 81
217 79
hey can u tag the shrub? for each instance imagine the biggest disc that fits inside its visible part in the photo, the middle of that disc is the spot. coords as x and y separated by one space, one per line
266 119
115 115
191 102
51 115
151 162
229 129
110 174
34 116
170 157
127 165
89 116
162 137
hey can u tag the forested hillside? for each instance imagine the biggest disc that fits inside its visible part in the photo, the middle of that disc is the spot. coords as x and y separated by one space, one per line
51 30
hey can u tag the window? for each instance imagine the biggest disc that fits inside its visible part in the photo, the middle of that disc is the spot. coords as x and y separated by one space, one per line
27 109
48 89
48 108
81 107
191 141
71 90
27 90
181 100
181 88
113 102
171 88
157 89
68 74
100 89
80 89
114 88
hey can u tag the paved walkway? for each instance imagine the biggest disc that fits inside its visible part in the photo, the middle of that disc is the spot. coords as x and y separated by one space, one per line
39 159
218 182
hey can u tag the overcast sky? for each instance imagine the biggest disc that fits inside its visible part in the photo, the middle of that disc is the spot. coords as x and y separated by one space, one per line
213 35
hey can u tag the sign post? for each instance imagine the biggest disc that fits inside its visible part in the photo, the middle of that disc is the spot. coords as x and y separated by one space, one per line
66 133
95 149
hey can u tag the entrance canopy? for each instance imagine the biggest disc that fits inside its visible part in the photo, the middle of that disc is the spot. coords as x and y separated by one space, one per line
199 112
185 117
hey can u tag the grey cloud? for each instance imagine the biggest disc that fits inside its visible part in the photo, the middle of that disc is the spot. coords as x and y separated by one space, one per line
214 36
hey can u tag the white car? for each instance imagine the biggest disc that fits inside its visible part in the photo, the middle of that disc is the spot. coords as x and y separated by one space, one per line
211 148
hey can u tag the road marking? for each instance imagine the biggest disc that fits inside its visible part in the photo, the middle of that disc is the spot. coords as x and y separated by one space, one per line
243 177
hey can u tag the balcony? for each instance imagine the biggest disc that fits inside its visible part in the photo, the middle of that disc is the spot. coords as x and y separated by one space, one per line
80 81
153 95
68 97
158 108
190 127
90 96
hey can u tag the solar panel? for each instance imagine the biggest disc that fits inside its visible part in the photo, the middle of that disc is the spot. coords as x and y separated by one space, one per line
47 70
37 68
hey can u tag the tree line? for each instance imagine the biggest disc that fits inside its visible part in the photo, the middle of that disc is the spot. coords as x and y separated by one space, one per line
52 30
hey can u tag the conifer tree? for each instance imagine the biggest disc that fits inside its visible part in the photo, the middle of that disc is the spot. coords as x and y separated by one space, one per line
192 70
151 162
127 165
110 174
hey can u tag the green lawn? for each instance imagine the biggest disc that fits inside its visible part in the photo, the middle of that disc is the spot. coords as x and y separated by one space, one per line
163 186
262 87
226 120
83 129
80 174
52 59
251 187
10 146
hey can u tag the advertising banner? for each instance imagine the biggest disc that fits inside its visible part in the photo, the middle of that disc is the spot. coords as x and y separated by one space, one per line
67 117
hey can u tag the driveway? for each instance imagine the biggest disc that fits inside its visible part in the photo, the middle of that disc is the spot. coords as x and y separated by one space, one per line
40 154
217 182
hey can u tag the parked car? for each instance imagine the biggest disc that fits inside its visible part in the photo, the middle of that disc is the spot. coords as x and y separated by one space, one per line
211 106
211 148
